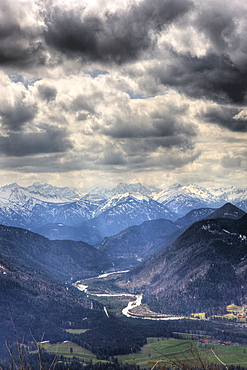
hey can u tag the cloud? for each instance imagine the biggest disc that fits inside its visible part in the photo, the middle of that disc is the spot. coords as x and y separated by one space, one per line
80 103
218 23
111 155
14 117
53 140
134 86
161 120
231 161
21 34
212 77
17 106
47 93
118 37
226 117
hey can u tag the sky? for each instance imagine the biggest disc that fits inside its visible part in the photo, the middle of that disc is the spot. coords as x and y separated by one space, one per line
93 93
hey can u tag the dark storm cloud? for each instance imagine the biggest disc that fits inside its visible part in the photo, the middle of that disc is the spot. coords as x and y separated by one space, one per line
15 116
53 140
20 44
225 117
47 93
117 37
165 127
161 129
163 153
212 77
122 36
179 141
220 27
15 51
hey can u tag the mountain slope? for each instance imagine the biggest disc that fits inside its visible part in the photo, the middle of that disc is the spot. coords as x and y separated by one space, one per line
135 243
49 191
57 231
37 305
194 216
41 204
64 260
111 217
204 269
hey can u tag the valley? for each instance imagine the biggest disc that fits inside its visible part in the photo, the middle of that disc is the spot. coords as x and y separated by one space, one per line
129 275
199 343
103 289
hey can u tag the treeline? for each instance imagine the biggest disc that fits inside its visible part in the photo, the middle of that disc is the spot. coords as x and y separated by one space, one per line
116 336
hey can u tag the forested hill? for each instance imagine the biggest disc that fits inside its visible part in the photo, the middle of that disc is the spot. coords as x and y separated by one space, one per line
204 269
65 260
39 306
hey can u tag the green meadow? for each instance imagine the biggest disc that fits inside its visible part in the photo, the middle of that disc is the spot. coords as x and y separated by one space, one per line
68 349
162 351
169 350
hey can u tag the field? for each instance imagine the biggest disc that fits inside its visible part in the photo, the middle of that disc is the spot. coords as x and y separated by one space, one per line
68 349
170 350
160 351
235 313
114 305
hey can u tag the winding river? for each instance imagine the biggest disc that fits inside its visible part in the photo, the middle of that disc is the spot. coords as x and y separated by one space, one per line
131 305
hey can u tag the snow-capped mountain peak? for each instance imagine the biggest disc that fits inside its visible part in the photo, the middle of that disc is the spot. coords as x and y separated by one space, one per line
40 204
133 201
184 198
47 191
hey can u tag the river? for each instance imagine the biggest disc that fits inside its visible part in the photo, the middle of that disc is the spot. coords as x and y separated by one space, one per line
131 305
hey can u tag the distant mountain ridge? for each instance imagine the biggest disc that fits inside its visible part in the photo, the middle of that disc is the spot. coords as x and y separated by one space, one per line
108 211
134 244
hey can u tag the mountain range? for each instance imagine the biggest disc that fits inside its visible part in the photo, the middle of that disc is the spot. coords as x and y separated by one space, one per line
181 263
67 213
